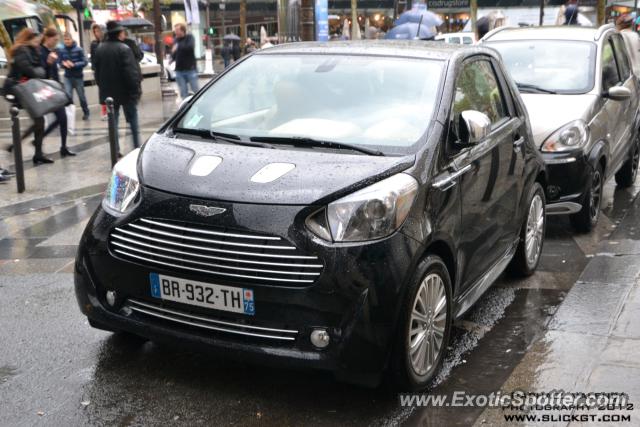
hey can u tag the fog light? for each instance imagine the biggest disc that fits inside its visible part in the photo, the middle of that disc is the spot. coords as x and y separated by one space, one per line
320 338
111 298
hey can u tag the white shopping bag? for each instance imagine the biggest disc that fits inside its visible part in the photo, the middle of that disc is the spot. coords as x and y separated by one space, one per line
71 118
48 119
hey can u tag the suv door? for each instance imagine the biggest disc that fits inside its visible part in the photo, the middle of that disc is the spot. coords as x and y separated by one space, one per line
490 189
630 106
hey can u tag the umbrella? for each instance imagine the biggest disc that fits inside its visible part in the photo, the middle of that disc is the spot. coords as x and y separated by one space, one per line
419 15
410 31
135 23
231 37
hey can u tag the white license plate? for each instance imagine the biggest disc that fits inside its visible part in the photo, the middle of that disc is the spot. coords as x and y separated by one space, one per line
218 297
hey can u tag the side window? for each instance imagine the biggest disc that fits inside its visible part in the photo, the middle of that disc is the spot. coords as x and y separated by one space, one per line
477 89
622 56
610 76
454 40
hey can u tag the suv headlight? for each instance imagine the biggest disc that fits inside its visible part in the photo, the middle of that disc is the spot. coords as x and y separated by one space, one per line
124 185
368 214
570 136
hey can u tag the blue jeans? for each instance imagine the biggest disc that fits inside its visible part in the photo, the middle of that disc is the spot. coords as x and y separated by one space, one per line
187 77
77 83
131 116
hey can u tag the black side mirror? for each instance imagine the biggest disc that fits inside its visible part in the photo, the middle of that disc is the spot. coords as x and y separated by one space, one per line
474 126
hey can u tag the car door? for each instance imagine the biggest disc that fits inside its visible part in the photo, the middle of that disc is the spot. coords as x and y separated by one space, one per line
630 106
614 111
489 189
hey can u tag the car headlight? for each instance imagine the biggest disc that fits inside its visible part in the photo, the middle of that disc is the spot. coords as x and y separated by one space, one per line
368 214
124 185
570 136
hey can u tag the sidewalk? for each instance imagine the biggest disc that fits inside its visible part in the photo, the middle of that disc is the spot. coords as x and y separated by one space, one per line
593 340
91 167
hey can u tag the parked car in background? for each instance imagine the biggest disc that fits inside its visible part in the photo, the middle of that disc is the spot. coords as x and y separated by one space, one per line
582 98
456 38
333 206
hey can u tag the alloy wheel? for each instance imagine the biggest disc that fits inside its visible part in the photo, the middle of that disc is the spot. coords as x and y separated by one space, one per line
535 229
595 194
427 325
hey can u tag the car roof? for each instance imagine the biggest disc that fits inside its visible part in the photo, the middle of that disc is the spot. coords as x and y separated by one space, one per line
564 32
389 48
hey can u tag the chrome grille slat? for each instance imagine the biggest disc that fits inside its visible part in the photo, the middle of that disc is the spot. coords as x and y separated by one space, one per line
206 319
198 324
242 257
203 240
244 261
241 276
203 248
213 233
206 264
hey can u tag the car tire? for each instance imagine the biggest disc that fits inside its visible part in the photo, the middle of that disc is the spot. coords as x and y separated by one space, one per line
586 220
527 256
627 174
413 370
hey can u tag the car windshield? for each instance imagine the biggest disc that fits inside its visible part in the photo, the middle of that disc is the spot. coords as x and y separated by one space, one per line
551 65
378 102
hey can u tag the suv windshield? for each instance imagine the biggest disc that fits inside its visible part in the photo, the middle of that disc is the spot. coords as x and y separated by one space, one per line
559 66
379 102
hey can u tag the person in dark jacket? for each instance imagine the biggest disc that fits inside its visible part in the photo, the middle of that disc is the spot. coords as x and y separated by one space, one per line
73 60
235 50
49 61
25 64
98 37
226 53
118 76
183 53
571 15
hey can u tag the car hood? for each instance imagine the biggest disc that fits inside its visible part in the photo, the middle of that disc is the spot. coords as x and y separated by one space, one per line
317 176
548 113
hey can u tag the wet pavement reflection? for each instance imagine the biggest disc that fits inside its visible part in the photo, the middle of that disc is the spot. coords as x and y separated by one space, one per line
56 370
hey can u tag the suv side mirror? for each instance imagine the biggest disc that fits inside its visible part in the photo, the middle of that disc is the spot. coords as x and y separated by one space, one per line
474 127
618 93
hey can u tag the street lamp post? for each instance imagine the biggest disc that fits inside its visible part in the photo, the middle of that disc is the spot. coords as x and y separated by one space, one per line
354 18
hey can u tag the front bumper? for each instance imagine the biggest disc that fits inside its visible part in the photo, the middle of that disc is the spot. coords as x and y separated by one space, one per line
355 298
568 177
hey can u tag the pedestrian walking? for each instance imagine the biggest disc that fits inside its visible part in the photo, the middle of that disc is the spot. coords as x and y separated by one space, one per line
235 50
183 53
226 53
98 37
49 60
73 60
24 65
118 76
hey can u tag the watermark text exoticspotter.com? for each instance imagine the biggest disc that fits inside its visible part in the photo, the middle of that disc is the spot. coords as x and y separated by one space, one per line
522 400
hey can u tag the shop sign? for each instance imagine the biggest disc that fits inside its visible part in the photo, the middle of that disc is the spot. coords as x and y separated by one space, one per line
448 4
322 20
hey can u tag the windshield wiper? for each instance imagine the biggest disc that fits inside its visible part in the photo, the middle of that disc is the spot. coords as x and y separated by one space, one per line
220 136
304 141
534 88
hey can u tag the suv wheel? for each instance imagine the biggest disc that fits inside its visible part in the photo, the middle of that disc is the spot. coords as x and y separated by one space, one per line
587 218
527 254
626 176
424 326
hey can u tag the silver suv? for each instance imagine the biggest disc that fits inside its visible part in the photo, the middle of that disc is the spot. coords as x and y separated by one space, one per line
582 98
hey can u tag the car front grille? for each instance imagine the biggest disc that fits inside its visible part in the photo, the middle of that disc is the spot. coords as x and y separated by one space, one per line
247 258
208 323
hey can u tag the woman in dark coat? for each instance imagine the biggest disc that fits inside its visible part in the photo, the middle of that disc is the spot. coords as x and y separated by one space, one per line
25 64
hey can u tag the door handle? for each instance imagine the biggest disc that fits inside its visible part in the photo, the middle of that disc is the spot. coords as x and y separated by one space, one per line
449 181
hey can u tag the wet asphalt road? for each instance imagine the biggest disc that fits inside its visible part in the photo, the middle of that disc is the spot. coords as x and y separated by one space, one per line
56 370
